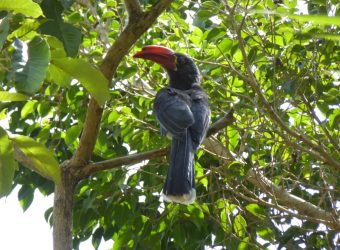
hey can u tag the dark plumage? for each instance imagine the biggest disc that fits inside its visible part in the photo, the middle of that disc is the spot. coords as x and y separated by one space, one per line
183 112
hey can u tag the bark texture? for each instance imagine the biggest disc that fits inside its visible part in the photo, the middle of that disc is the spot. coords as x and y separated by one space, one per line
63 211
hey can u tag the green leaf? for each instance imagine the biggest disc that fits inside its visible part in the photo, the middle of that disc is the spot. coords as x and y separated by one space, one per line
240 226
179 234
28 108
56 47
266 233
12 97
215 33
233 136
4 28
317 19
58 76
25 7
225 222
43 161
334 118
70 36
256 210
223 47
26 31
243 244
25 196
113 116
48 215
7 163
91 78
72 134
29 64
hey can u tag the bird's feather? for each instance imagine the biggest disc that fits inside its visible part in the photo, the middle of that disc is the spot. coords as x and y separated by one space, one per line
172 109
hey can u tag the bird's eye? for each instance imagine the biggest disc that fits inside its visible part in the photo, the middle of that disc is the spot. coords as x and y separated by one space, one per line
181 60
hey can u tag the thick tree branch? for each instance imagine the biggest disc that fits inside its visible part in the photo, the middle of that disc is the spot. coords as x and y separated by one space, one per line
135 28
293 202
153 154
133 8
221 123
63 210
281 196
121 161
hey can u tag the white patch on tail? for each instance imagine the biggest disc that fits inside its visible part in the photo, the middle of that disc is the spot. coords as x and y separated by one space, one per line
185 199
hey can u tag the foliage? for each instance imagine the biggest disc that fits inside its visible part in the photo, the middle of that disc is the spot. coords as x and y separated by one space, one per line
277 69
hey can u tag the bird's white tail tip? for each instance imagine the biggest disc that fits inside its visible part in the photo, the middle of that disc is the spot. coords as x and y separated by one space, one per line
185 199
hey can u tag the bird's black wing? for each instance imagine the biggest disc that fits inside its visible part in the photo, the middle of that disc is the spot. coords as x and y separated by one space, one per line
172 110
201 112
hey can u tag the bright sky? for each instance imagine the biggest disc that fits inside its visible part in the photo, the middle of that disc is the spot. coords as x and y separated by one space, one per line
29 230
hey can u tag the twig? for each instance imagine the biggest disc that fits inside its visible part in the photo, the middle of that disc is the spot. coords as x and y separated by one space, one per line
323 127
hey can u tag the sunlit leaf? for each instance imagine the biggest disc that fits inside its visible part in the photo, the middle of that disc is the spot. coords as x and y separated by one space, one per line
91 78
240 225
72 134
256 210
266 233
43 161
28 108
7 163
25 7
26 30
13 97
29 64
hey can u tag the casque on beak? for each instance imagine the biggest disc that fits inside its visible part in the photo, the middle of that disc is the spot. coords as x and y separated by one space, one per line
158 54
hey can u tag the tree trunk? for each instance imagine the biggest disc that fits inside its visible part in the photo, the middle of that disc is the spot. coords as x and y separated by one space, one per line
63 211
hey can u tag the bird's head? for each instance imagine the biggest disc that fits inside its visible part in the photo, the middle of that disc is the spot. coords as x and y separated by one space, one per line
181 68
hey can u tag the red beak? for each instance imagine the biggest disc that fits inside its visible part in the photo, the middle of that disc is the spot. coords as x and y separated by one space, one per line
158 54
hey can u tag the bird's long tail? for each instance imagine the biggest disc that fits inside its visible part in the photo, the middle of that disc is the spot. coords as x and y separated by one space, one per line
179 186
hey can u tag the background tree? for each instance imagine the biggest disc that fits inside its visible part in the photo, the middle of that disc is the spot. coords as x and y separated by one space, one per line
267 174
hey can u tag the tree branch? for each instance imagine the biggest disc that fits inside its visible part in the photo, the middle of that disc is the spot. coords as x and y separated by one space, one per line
221 123
252 81
133 8
120 161
280 195
286 199
135 28
153 154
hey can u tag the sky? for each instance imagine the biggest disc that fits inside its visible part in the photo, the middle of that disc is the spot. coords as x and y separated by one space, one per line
29 230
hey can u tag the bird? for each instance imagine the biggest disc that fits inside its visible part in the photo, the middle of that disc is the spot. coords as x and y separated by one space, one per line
182 109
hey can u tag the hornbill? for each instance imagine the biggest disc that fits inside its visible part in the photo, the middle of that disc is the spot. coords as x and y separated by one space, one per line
183 112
